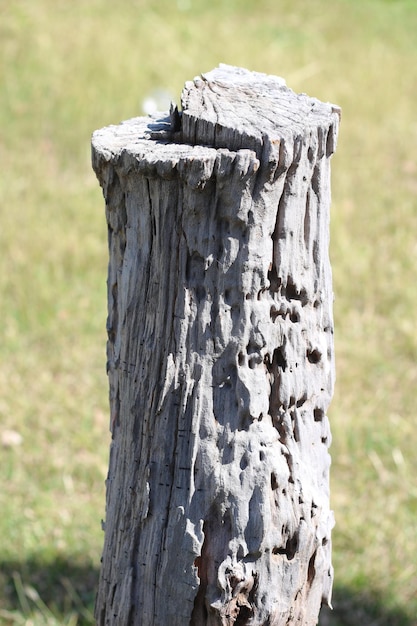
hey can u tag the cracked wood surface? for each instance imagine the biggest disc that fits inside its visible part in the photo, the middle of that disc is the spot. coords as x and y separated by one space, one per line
220 357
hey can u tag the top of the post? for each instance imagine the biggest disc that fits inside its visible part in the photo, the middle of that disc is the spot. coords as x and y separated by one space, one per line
235 108
228 108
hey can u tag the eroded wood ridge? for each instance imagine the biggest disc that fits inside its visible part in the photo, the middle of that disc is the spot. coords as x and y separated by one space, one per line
220 358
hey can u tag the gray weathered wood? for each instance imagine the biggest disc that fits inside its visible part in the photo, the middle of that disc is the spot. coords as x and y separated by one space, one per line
220 358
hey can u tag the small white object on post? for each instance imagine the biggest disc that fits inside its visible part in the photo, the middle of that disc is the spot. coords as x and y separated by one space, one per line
220 357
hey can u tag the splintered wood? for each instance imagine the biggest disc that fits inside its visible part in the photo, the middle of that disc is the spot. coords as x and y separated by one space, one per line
220 357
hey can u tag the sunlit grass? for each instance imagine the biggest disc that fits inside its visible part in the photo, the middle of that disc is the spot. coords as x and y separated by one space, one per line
69 68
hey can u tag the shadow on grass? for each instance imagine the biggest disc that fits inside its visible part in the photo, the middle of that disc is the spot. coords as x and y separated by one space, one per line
60 590
353 608
66 590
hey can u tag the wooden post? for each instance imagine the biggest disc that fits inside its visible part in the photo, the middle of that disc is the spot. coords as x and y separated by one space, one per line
220 358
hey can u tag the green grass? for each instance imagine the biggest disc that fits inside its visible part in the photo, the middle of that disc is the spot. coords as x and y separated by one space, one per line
67 68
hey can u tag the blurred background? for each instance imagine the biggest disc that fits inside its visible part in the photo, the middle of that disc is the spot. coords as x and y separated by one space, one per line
68 68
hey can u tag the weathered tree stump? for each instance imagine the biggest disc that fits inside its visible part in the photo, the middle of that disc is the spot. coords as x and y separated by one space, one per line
220 358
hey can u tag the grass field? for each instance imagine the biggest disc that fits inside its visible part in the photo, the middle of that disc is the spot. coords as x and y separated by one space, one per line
67 68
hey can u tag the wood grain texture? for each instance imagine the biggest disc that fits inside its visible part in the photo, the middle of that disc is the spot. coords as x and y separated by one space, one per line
220 358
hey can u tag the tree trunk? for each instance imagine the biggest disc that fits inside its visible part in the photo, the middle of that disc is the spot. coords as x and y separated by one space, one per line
220 358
